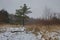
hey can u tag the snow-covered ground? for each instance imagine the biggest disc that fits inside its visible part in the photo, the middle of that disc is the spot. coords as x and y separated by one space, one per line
22 34
16 34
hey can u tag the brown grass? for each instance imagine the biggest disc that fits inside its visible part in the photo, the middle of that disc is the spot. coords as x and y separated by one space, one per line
9 25
43 28
37 28
34 27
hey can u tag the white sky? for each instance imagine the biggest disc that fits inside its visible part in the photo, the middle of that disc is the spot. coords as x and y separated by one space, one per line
37 6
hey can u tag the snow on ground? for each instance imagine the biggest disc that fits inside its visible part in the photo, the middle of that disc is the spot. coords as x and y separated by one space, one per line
21 34
16 34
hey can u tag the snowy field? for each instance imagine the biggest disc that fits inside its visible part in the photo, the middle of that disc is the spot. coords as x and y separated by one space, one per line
22 34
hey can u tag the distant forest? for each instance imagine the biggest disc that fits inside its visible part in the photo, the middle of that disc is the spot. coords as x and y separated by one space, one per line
20 17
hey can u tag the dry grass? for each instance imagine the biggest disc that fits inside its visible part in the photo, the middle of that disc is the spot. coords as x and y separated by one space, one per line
43 28
37 28
9 25
34 27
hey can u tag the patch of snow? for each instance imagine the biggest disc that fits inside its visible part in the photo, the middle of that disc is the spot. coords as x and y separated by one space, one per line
16 29
17 35
23 35
39 36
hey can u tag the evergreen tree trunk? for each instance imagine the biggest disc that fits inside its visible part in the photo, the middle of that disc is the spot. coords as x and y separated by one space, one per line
23 21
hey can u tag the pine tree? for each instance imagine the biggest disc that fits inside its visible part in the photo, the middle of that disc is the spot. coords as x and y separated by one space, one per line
21 13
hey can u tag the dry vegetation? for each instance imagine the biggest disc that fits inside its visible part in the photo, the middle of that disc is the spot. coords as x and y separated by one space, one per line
44 25
34 27
37 28
9 25
43 28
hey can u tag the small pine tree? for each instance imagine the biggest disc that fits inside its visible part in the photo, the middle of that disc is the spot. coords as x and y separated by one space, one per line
21 13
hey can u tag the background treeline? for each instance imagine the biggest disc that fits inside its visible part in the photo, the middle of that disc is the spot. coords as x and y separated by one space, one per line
20 17
5 17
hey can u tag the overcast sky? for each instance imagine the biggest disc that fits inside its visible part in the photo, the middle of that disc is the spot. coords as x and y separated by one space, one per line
37 6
